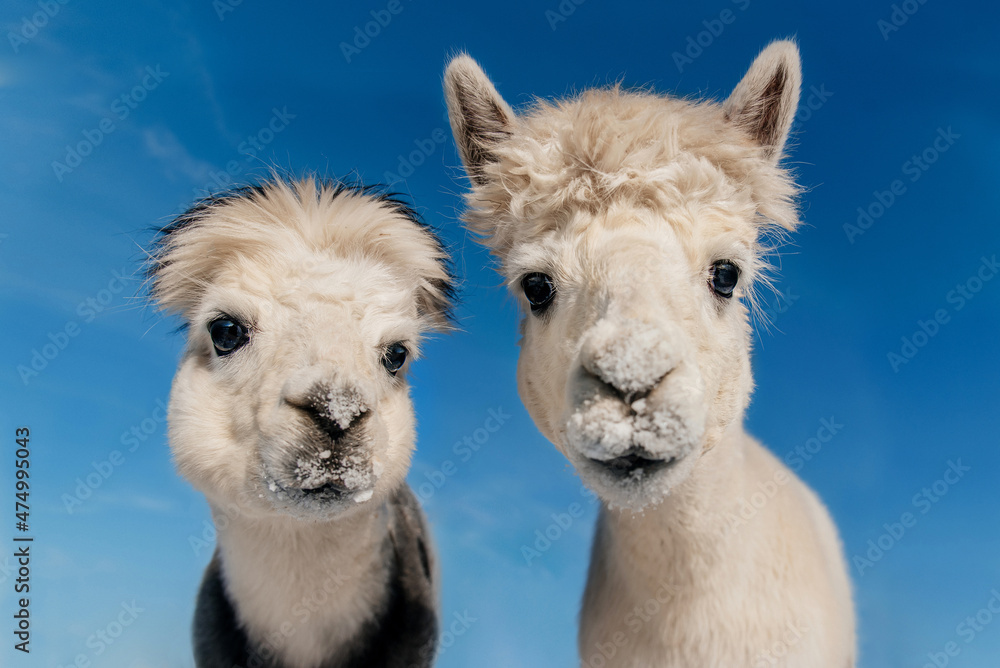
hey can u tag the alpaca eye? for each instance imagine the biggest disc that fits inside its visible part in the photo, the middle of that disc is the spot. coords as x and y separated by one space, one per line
539 290
725 275
394 357
227 335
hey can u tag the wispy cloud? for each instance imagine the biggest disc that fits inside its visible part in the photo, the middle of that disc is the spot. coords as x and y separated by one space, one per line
197 68
163 145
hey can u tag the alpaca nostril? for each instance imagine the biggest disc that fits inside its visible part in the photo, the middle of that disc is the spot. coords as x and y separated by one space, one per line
628 396
329 427
631 357
321 420
332 412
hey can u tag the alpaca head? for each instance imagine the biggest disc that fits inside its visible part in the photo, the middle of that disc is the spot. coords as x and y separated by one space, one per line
631 228
303 303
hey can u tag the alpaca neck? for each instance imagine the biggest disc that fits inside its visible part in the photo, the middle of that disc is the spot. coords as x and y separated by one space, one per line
689 530
300 588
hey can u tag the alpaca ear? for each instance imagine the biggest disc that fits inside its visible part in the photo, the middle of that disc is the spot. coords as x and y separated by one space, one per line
435 299
479 116
765 100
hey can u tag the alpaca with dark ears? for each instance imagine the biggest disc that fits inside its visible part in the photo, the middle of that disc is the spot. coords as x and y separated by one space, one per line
304 303
633 229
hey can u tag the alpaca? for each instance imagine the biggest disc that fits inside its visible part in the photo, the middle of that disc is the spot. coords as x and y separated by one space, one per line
303 302
632 228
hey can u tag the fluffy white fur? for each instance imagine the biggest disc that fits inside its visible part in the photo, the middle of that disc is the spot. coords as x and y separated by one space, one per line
627 200
325 278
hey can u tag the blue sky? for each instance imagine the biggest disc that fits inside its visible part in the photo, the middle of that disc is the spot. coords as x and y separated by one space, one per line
166 98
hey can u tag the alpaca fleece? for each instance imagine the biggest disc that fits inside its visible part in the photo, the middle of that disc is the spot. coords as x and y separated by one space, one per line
297 431
638 208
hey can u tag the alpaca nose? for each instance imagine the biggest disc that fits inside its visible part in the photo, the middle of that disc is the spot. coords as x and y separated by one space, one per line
333 411
630 356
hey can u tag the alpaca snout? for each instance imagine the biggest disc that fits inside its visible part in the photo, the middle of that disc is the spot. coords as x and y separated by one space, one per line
327 456
315 469
333 411
633 408
630 356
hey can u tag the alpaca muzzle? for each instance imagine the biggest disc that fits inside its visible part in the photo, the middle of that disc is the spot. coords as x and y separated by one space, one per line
331 459
635 410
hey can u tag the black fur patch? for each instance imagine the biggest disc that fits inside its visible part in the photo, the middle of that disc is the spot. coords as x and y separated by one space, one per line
219 642
403 635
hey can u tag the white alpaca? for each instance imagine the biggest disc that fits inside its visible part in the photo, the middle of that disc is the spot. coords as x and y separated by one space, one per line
631 226
290 412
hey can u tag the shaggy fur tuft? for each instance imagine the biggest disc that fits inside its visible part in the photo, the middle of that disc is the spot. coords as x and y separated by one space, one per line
615 147
251 224
608 146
